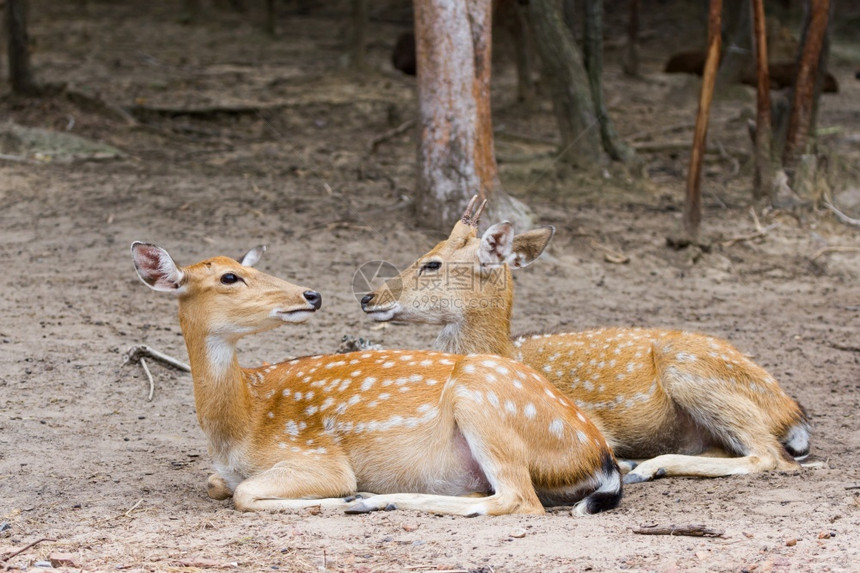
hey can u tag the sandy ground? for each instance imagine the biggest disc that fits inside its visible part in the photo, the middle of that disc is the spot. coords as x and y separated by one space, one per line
93 469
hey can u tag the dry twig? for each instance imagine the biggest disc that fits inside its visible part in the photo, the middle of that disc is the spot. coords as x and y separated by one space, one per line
149 377
128 513
22 550
842 217
135 353
611 255
688 530
759 231
826 250
390 134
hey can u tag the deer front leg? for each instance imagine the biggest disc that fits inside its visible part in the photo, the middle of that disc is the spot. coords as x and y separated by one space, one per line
292 486
701 466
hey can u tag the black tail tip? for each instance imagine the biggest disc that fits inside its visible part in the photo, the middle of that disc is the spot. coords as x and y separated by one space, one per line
602 501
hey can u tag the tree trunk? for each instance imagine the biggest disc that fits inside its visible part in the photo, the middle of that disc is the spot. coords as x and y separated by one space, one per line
801 120
358 41
631 59
693 203
764 168
510 16
456 154
593 51
20 74
564 71
737 60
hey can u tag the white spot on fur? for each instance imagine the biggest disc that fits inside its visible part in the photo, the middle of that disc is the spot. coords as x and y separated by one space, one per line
530 411
556 428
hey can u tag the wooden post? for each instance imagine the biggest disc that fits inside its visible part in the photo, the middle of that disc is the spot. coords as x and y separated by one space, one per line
764 172
693 203
800 120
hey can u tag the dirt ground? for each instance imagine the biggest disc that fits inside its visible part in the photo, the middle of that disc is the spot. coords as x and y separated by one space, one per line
93 469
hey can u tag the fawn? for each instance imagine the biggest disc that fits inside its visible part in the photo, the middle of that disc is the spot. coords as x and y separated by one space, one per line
420 429
667 395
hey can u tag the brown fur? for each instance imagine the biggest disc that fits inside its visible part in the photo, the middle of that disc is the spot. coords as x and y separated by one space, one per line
311 430
652 392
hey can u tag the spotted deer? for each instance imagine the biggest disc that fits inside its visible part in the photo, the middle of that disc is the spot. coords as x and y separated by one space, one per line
675 399
423 430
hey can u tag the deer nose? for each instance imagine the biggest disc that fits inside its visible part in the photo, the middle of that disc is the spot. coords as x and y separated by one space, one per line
314 298
365 300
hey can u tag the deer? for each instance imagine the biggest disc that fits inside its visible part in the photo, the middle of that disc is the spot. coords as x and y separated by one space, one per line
669 402
421 430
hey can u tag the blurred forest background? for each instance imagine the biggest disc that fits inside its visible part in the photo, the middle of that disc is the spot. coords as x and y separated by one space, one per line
63 55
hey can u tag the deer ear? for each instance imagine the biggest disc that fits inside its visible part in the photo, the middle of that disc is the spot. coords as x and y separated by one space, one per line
528 246
253 256
496 244
156 268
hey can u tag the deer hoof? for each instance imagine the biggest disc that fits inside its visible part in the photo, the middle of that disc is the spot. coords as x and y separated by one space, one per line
360 506
635 478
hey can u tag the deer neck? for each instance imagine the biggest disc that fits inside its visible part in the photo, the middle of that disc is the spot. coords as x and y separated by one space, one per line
480 331
221 394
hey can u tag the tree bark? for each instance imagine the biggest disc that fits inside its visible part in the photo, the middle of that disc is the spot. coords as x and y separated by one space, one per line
571 96
456 153
737 60
764 168
631 59
693 202
510 15
20 74
593 51
801 120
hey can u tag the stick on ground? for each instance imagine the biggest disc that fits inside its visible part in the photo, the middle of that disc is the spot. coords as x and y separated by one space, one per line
688 530
135 353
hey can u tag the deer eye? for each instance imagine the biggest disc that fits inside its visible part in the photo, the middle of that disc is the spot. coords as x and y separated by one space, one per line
229 278
430 266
